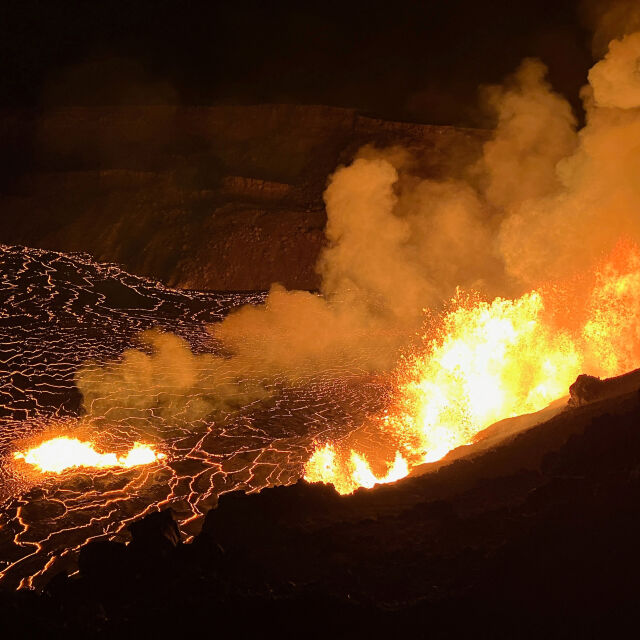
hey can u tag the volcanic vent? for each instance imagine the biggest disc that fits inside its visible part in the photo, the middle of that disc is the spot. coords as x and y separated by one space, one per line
445 306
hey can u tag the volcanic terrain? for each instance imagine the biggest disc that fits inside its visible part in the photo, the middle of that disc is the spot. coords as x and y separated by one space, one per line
535 535
60 311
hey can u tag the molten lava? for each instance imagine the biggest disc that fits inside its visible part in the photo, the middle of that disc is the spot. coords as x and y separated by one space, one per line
62 453
482 362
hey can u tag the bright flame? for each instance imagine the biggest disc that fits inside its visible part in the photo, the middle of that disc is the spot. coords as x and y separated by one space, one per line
492 360
58 454
322 465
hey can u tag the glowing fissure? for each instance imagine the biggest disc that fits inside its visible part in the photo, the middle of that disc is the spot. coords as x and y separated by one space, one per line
486 361
59 454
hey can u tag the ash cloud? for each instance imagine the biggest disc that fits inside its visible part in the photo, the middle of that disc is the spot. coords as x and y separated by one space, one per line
544 201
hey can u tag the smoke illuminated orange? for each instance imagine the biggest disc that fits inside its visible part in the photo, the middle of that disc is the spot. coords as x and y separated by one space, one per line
62 453
486 361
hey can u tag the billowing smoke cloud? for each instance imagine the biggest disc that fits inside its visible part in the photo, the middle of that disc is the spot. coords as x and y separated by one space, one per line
543 202
535 130
616 79
599 198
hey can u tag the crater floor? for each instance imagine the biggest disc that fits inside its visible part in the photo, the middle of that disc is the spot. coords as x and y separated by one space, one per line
58 312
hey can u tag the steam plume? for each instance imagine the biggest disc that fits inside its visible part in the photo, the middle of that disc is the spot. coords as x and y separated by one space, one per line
598 200
542 202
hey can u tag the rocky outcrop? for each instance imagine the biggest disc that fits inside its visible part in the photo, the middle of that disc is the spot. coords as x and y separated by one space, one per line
221 198
587 389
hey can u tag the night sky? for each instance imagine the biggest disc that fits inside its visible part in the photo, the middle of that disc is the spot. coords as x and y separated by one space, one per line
420 61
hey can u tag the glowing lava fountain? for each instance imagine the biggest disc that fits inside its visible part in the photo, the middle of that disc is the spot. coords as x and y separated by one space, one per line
62 453
481 362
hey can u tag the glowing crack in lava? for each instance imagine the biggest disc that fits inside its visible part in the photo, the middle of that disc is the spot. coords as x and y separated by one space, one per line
62 453
66 312
486 361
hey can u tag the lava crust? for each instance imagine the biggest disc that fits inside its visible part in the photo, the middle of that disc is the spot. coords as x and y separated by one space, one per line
61 311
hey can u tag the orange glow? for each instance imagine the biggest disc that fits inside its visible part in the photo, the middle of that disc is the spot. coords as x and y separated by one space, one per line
62 453
485 361
323 466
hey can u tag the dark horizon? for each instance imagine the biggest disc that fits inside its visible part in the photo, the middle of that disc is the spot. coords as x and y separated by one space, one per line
415 61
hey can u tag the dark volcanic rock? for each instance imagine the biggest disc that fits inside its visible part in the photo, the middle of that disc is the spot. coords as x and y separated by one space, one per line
241 520
587 389
103 562
157 533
